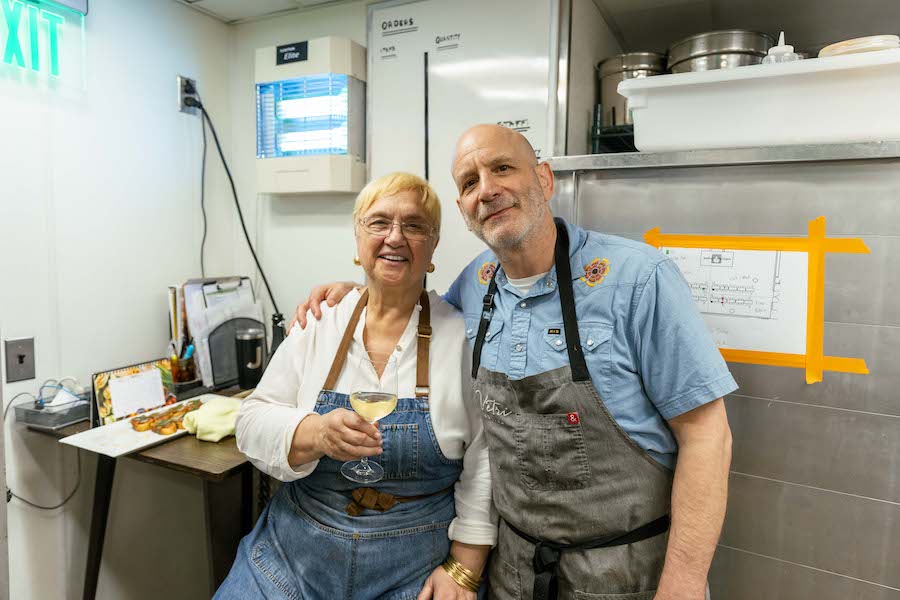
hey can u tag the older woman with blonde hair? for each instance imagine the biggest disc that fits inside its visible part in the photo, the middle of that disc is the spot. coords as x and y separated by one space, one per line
425 528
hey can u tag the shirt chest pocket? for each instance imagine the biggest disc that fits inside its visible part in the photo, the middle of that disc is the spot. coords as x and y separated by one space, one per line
490 351
595 342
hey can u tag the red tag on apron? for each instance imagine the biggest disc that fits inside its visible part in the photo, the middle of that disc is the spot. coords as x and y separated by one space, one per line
573 418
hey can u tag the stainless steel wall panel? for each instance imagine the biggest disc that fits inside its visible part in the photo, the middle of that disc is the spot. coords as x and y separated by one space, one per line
751 200
563 202
815 488
865 288
847 451
849 535
851 152
877 392
737 575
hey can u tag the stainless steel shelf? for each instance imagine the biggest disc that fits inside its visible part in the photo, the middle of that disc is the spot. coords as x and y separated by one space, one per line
729 156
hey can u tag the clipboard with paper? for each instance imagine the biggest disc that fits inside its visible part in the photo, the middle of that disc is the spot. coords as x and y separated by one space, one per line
215 308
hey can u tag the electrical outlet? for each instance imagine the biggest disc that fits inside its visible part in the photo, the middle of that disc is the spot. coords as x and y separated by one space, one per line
185 84
19 359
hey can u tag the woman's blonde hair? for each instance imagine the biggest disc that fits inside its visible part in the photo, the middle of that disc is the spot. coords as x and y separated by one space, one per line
394 183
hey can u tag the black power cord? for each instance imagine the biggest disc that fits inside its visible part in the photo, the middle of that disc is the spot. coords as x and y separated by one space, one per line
203 199
10 494
195 102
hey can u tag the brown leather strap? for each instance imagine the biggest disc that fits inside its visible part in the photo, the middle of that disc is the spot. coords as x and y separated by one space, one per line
423 344
381 501
338 364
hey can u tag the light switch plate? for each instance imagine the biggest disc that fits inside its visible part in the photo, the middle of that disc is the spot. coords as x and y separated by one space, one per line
19 359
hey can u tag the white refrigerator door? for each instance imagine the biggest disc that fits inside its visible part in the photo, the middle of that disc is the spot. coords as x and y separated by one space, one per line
487 62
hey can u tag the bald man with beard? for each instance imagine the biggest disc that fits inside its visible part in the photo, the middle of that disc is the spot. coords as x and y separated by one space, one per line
599 387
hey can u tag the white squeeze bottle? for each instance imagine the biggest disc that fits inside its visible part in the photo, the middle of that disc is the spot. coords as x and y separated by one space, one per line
780 53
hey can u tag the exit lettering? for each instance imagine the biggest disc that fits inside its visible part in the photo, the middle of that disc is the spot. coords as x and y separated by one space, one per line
24 24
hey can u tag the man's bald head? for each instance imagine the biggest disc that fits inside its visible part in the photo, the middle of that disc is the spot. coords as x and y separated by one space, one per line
497 136
503 191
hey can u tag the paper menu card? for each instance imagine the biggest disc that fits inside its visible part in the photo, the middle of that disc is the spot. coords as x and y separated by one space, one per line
133 393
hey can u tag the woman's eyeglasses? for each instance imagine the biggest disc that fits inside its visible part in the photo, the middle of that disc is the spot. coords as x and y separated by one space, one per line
416 231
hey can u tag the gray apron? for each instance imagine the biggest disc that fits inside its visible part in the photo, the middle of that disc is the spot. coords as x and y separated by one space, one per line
584 509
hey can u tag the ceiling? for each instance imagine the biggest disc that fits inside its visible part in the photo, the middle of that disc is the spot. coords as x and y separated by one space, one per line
230 11
655 24
652 25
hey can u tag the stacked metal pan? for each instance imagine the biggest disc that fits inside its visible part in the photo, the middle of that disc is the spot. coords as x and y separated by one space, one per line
718 50
701 52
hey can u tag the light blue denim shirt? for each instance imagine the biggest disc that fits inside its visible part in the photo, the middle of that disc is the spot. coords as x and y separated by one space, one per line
650 355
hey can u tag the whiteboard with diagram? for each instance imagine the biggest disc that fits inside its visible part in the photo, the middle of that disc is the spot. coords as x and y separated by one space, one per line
749 299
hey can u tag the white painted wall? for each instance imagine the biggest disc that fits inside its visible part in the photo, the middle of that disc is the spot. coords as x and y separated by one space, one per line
307 240
302 240
99 212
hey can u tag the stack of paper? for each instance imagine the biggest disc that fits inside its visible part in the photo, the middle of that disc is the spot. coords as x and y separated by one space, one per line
176 317
208 304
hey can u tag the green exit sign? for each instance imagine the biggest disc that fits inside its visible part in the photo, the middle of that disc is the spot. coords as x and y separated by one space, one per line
32 36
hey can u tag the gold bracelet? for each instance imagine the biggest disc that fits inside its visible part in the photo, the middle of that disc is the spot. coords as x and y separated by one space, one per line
464 577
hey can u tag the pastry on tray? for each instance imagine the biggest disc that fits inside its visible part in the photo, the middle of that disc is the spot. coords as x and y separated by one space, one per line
141 423
166 422
166 428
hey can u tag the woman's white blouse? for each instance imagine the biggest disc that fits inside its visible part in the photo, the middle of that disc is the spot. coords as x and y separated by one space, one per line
289 388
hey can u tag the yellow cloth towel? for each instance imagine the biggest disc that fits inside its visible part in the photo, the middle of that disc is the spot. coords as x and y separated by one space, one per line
214 420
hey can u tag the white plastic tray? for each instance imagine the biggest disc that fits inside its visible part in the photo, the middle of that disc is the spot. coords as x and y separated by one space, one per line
838 99
120 438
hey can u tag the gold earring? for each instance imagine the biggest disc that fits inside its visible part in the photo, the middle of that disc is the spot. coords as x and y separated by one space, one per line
430 268
356 261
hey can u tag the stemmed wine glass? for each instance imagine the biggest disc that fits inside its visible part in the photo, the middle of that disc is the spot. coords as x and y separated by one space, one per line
373 397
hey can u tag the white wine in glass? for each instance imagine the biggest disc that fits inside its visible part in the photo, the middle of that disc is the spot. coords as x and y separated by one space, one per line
373 398
372 406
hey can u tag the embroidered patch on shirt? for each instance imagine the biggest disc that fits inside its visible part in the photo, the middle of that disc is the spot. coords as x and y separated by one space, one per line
572 417
553 331
486 272
595 271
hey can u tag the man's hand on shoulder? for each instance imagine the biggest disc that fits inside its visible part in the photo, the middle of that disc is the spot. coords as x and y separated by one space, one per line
331 293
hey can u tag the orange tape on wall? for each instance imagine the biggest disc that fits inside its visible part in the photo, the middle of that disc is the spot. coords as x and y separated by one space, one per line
815 302
816 245
836 364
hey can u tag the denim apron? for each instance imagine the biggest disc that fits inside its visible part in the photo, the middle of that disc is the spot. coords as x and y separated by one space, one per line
584 509
306 546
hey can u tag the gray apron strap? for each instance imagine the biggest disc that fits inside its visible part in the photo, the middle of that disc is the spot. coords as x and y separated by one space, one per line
567 302
486 311
546 554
